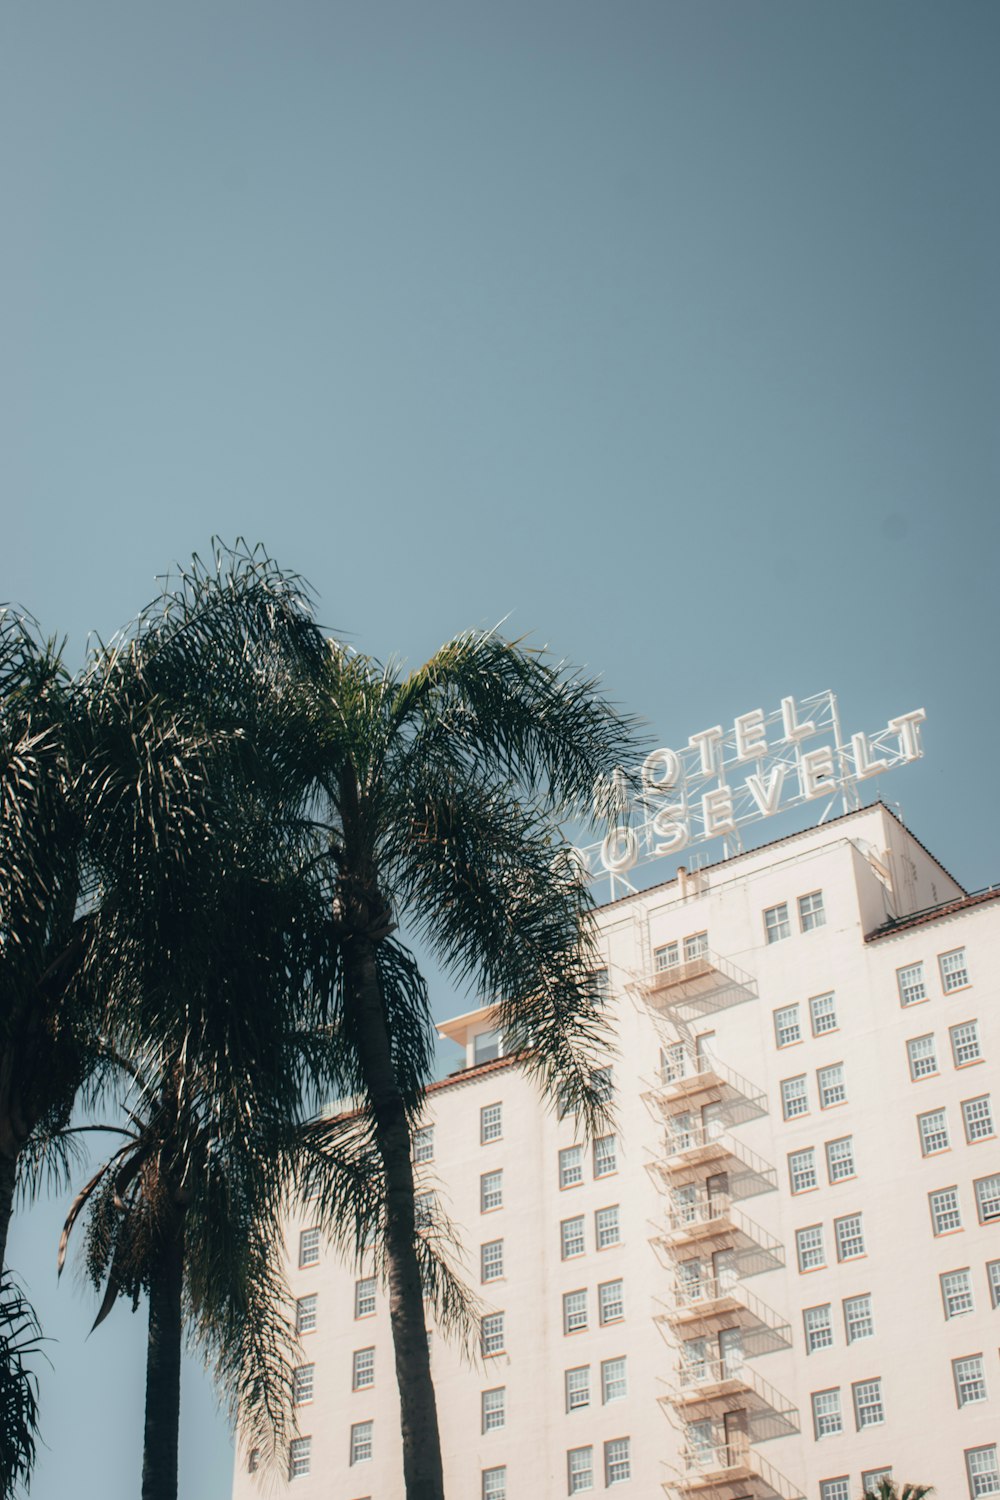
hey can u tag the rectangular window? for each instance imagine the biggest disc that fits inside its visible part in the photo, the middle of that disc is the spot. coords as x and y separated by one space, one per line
495 1483
305 1314
954 971
490 1123
965 1046
840 1158
299 1457
577 1387
910 983
984 1472
818 1324
786 1026
491 1260
423 1210
492 1333
988 1198
570 1166
794 1099
309 1247
970 1379
956 1293
614 1380
611 1301
859 1320
802 1170
601 981
494 1410
303 1383
362 1369
602 1081
490 1191
945 1212
823 1014
850 1237
993 1277
605 1156
871 1479
486 1047
617 1462
574 1311
835 1489
607 1227
580 1470
922 1056
933 1128
364 1297
868 1408
423 1144
776 923
827 1419
667 957
811 911
571 1237
832 1089
809 1247
695 946
361 1442
977 1117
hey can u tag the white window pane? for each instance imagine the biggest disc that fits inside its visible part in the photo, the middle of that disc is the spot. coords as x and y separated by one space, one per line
572 1242
818 1324
574 1311
811 911
933 1132
577 1388
308 1247
832 1088
977 1117
945 1212
361 1442
970 1379
614 1380
922 1056
823 1014
423 1144
910 982
364 1297
570 1166
840 1159
850 1237
827 1419
299 1457
617 1461
776 923
303 1383
965 1043
802 1170
988 1199
859 1322
494 1409
956 1293
794 1100
493 1333
605 1156
607 1227
868 1409
954 971
491 1260
490 1191
611 1301
809 1246
786 1026
305 1314
495 1483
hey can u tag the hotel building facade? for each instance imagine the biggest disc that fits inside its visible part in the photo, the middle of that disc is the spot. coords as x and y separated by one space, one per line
779 1276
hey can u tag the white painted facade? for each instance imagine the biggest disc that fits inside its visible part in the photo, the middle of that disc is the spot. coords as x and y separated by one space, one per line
722 1271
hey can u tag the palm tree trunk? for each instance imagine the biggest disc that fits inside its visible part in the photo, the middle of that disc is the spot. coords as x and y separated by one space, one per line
8 1178
422 1472
163 1369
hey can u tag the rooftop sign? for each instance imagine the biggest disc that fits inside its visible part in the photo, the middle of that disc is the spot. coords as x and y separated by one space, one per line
726 778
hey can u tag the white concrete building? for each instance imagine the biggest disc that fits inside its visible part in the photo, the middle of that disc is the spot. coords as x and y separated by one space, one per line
781 1275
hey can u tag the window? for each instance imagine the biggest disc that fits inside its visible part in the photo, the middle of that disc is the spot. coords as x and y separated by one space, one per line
933 1128
571 1237
977 1116
984 1474
601 981
859 1321
832 1089
305 1314
954 973
850 1237
486 1046
835 1489
872 1478
495 1483
794 1100
614 1380
303 1383
923 1058
811 911
776 923
945 1212
494 1408
361 1442
667 957
809 1246
868 1408
570 1166
823 1014
490 1191
423 1210
492 1333
299 1457
607 1228
309 1247
605 1156
577 1387
956 1293
840 1158
965 1043
695 946
993 1277
490 1123
364 1297
574 1311
988 1198
910 983
617 1462
580 1469
423 1144
802 1170
970 1379
827 1418
602 1080
694 1354
818 1325
611 1301
786 1026
362 1369
491 1260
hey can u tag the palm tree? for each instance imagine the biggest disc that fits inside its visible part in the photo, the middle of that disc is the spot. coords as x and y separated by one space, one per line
442 795
19 1334
888 1490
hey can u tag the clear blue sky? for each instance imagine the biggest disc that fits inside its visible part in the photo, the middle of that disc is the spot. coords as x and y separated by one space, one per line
668 330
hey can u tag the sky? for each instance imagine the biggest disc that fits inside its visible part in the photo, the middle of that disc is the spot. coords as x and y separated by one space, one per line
666 333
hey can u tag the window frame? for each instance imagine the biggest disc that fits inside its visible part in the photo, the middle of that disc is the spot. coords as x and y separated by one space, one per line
487 1133
573 1226
948 1295
994 1197
903 987
575 1311
611 1462
421 1137
360 1369
824 1088
601 1242
359 1441
917 1074
781 928
848 1156
854 1321
485 1414
808 916
809 1333
606 1380
586 1470
497 1329
302 1311
483 1262
600 1169
491 1196
969 1119
973 1026
819 1247
360 1297
875 1382
834 1411
583 1387
965 982
849 1237
937 1214
788 1098
977 1380
815 1014
782 1040
299 1450
794 1174
605 1291
311 1237
567 1153
930 1133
